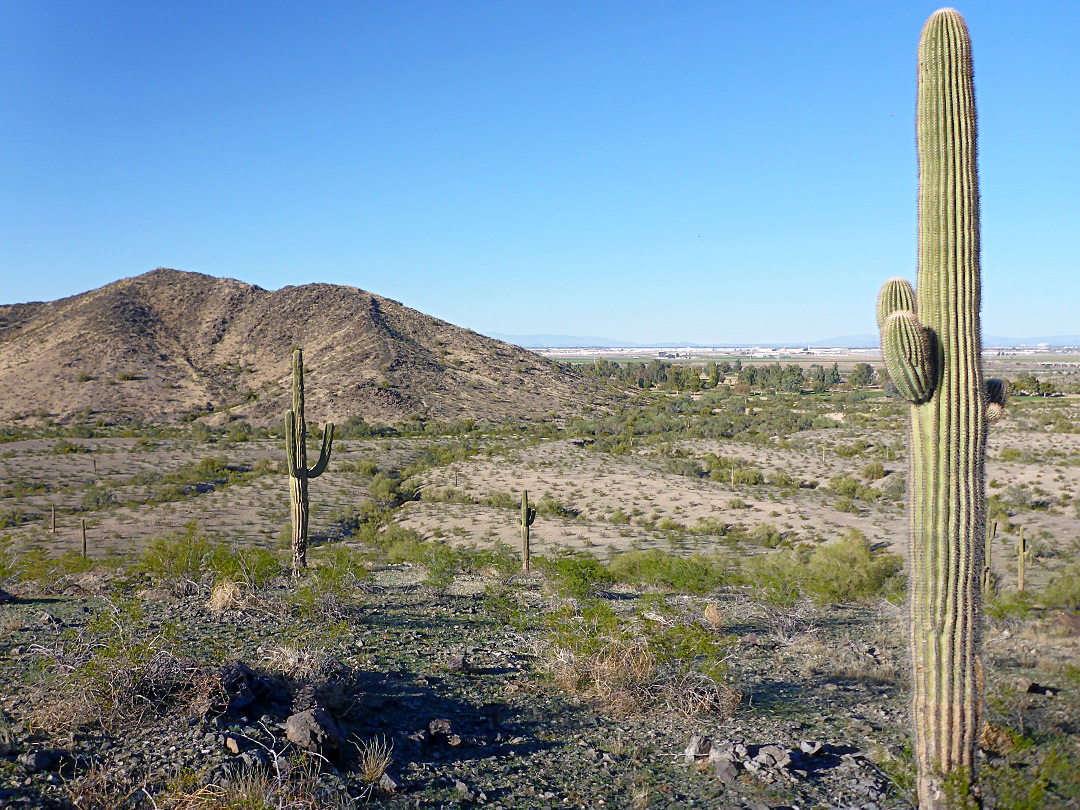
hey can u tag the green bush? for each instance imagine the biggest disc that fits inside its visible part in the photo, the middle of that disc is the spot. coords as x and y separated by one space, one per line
697 574
177 556
847 570
874 470
548 506
96 498
253 567
441 560
1064 589
575 574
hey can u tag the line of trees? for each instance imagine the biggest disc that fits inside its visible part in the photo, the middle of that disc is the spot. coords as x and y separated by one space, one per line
791 378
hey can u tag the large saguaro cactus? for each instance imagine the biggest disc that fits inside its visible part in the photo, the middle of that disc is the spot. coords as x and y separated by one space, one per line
296 450
931 343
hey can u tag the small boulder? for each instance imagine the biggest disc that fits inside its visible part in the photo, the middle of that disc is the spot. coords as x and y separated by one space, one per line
315 730
698 746
726 771
457 662
39 761
1066 624
388 784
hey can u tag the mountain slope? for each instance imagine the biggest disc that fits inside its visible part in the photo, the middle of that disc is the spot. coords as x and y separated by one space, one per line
169 343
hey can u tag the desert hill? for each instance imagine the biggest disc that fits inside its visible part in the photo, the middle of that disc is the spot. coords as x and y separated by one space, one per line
168 343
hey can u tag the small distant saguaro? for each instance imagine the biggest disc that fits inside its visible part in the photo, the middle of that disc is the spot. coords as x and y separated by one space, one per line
528 515
296 450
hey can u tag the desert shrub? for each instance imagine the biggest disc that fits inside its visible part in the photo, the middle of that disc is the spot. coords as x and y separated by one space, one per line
618 517
895 488
441 561
337 569
63 447
847 570
663 666
874 470
96 498
575 574
389 491
1008 605
783 480
850 487
35 565
114 671
19 487
502 500
684 466
177 556
1064 589
239 432
12 517
846 504
501 558
696 574
766 535
550 507
353 520
254 567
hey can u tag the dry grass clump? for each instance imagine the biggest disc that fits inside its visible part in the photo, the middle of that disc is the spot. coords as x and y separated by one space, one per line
692 693
97 789
618 674
299 789
10 621
713 617
623 675
226 595
375 757
298 663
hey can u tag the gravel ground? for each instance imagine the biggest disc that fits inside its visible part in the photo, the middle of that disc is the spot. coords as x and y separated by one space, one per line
464 700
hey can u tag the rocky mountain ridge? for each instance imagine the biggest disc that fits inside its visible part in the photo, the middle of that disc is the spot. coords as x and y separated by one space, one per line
169 344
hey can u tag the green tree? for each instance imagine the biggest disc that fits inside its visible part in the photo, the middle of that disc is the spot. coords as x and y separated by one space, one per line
861 376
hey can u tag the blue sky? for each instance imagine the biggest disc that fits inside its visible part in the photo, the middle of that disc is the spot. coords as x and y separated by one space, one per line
711 172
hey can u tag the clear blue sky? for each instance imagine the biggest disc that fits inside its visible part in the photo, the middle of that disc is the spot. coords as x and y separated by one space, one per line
701 171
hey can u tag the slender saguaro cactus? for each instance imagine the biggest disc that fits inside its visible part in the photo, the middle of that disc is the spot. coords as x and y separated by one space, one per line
528 515
1021 558
931 343
296 450
988 576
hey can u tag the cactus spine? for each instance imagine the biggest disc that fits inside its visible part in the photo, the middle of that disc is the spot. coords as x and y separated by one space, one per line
528 515
932 353
296 451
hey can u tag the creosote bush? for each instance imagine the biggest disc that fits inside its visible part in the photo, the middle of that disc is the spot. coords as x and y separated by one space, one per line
847 570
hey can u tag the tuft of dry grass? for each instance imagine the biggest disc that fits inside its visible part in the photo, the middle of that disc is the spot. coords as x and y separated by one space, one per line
713 617
225 596
97 789
297 663
692 693
11 621
375 757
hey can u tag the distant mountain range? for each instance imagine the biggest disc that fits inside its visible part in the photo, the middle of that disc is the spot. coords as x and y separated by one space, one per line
865 341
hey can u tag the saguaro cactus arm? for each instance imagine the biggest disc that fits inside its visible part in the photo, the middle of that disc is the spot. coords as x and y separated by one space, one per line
896 295
324 452
908 354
